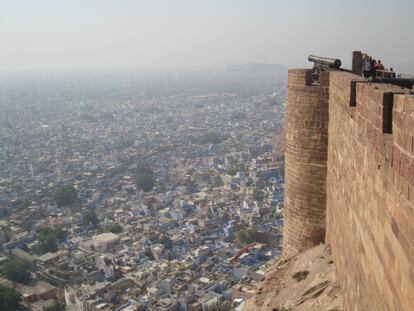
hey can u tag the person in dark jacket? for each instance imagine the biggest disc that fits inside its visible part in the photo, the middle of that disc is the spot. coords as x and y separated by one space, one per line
373 68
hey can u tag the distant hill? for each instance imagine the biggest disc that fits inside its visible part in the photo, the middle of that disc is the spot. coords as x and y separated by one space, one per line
252 79
245 80
257 68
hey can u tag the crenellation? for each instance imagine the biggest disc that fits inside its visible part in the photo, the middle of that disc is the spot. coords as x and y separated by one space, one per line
374 102
300 78
357 60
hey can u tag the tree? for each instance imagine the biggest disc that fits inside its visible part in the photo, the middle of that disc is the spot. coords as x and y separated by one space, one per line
48 243
210 137
260 183
17 270
9 299
56 306
239 167
222 219
191 186
149 255
220 306
167 242
89 218
49 239
144 178
113 227
238 115
218 181
250 236
88 118
65 195
106 116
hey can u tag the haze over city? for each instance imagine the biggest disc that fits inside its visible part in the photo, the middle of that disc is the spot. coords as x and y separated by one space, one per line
195 35
206 155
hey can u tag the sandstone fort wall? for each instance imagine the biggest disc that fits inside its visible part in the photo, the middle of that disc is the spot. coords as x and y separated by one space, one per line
358 159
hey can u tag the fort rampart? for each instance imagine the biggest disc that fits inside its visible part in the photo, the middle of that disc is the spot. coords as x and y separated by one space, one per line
350 183
306 129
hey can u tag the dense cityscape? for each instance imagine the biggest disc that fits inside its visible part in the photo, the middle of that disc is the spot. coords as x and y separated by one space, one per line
156 192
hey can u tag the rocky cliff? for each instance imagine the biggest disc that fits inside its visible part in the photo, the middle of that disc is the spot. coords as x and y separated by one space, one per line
304 282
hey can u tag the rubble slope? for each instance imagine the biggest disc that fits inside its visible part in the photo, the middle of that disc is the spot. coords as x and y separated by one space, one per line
304 282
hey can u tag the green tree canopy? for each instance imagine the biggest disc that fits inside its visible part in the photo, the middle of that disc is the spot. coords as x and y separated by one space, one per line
144 178
9 299
107 115
166 241
218 181
222 219
239 167
220 306
17 270
88 118
112 227
65 195
89 218
209 137
238 115
250 236
49 239
56 306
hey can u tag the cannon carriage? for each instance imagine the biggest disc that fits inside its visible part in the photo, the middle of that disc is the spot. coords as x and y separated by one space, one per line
323 64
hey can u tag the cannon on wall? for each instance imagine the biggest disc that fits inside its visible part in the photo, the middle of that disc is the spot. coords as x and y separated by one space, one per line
323 64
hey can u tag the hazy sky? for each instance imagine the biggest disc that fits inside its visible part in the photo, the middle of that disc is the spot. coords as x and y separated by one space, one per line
91 35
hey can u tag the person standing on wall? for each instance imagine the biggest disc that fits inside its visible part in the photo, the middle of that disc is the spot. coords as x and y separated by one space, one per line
379 65
373 68
366 67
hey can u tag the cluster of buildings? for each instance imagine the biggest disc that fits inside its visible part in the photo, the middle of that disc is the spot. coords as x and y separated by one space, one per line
204 232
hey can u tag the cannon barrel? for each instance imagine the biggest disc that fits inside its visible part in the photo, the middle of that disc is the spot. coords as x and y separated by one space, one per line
403 82
331 62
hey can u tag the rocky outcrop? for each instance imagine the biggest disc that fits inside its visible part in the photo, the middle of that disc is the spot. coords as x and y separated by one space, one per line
305 282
